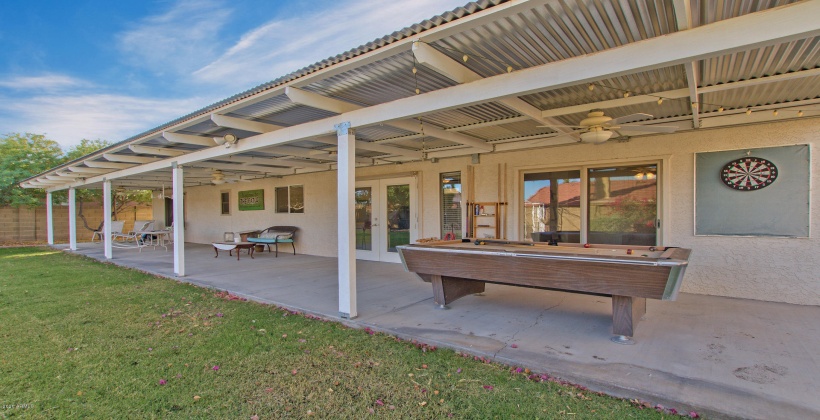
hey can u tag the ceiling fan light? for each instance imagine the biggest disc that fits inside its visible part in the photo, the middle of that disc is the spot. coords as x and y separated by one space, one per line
596 137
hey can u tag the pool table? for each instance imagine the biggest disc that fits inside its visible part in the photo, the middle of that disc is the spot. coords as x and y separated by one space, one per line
629 274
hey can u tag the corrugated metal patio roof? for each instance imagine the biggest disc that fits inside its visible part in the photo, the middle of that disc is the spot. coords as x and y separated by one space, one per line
496 37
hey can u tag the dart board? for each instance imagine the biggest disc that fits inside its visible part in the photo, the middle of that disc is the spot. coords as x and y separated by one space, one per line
748 173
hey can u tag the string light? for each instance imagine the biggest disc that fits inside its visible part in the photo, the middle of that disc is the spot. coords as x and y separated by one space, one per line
465 58
774 112
415 70
509 69
748 111
660 101
720 109
418 91
694 105
591 87
626 94
799 113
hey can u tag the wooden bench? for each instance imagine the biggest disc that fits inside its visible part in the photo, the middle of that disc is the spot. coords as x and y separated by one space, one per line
276 235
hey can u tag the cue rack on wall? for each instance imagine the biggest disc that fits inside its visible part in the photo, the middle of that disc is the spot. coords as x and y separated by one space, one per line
483 219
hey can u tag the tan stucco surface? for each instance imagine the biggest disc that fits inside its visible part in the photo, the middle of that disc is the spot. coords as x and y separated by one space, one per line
763 268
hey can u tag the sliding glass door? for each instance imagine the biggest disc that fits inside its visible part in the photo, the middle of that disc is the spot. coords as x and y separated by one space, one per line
617 204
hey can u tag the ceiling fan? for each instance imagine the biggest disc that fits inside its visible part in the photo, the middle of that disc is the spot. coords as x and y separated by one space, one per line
219 178
597 128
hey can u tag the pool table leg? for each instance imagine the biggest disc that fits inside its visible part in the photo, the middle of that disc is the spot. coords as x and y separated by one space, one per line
626 312
448 289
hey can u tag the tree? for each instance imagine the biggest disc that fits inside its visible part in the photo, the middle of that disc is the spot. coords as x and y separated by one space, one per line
23 156
119 199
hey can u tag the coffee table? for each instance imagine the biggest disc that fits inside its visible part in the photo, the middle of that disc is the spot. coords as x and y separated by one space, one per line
230 246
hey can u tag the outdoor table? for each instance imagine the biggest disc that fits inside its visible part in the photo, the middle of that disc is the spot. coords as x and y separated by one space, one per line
230 246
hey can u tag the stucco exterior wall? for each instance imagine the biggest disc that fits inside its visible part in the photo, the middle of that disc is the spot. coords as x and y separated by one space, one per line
763 268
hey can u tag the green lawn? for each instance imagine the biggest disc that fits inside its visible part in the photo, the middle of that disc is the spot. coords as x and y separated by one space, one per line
86 339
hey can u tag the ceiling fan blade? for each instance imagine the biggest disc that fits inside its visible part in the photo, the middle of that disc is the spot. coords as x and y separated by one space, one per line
630 117
650 128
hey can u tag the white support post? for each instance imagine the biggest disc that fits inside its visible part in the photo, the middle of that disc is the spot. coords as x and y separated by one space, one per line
107 240
49 219
72 219
346 184
179 220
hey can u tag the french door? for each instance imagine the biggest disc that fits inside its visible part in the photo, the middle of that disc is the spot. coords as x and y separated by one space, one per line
386 217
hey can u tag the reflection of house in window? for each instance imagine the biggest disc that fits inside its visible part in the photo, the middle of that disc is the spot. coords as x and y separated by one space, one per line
622 205
553 202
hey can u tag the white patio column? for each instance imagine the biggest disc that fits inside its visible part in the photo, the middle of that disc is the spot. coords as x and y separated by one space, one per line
72 219
109 252
49 219
179 220
346 184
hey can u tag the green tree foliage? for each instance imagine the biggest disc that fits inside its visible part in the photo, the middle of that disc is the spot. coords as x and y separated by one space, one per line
22 156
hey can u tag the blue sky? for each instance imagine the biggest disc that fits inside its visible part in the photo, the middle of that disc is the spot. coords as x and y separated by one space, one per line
112 69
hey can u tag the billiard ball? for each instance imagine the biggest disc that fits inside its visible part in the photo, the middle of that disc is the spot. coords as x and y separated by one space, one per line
586 245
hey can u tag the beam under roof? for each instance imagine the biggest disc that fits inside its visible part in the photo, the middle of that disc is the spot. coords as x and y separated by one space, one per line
242 168
188 139
683 17
326 103
441 63
128 158
108 165
293 163
676 94
87 170
783 24
243 124
158 151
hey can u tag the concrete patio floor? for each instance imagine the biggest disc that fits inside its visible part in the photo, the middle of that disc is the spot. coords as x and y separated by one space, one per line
722 357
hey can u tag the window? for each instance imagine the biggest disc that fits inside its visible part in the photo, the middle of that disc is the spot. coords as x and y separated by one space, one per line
604 205
451 205
225 200
552 203
290 199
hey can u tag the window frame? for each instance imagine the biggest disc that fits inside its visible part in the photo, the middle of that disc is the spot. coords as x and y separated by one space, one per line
223 194
289 203
459 233
663 184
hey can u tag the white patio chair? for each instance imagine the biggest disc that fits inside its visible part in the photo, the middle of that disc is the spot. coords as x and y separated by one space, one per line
116 229
140 226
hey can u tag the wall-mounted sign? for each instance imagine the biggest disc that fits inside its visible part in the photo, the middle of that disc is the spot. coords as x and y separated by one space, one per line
748 174
252 200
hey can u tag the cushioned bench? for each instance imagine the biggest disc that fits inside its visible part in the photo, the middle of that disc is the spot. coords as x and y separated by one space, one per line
276 235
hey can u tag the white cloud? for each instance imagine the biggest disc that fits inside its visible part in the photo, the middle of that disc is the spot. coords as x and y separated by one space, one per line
180 40
46 82
69 119
285 45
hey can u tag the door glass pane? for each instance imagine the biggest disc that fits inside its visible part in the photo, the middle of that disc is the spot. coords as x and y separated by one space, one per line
451 205
364 217
552 207
398 216
623 205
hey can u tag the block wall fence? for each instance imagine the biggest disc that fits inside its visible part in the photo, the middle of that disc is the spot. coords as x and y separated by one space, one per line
24 224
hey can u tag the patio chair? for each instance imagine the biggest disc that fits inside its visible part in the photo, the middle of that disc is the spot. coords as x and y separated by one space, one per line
140 226
276 235
116 228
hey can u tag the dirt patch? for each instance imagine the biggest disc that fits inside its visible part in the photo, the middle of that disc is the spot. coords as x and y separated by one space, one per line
714 351
760 374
